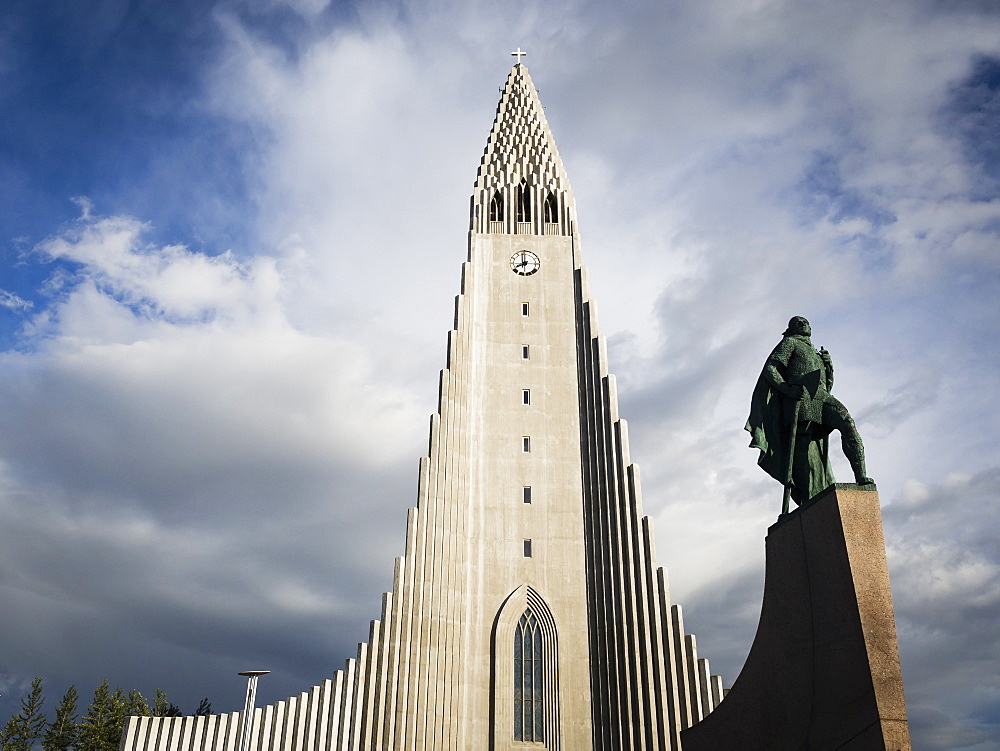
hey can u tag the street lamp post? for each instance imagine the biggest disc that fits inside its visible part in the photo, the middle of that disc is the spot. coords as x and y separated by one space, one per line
246 726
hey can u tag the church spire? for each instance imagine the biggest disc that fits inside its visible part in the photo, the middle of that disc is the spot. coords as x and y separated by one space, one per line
521 187
527 607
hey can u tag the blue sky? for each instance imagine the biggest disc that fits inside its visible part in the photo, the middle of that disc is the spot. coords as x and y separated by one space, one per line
231 235
100 103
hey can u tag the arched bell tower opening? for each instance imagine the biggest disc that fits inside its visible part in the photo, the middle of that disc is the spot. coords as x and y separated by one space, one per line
551 211
497 217
524 203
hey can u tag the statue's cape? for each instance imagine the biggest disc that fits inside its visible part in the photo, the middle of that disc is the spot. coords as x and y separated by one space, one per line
769 428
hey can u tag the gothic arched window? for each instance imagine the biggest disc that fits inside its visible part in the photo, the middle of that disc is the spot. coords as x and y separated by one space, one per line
496 207
528 680
550 211
523 203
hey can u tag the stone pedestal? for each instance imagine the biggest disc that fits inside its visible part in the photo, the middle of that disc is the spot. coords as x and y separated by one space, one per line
823 672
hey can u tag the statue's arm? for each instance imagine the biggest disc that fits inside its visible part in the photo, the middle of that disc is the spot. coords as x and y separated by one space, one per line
777 365
828 365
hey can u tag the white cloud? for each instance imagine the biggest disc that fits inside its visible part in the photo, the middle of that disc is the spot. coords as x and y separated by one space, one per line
169 282
14 302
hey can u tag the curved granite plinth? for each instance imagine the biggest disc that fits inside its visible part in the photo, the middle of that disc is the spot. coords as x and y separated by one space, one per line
823 672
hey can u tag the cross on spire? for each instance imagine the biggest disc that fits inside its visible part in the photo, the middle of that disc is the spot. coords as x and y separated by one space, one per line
519 53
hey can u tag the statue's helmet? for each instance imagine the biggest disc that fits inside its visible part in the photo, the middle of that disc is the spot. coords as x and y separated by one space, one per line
797 325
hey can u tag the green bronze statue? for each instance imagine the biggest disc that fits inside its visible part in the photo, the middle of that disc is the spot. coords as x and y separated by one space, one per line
792 414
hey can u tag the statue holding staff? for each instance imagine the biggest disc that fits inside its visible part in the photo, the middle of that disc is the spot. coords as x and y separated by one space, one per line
792 414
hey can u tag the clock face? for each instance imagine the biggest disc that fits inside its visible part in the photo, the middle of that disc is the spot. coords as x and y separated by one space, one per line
524 262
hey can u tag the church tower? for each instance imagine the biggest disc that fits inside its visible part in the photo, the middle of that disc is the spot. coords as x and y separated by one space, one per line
527 610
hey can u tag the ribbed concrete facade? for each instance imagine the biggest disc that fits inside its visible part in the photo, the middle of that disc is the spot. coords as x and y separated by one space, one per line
527 610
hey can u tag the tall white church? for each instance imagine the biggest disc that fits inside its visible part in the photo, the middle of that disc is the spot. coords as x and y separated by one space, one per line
528 611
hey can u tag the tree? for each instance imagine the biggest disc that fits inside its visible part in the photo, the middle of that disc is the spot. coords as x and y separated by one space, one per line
135 704
164 708
22 730
10 733
63 732
32 716
160 704
101 729
204 708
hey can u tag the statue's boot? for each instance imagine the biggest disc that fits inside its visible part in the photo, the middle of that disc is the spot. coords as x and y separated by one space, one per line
854 450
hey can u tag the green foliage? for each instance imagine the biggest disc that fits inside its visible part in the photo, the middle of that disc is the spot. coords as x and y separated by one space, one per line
23 729
63 732
160 704
204 708
99 730
164 708
11 731
32 716
136 704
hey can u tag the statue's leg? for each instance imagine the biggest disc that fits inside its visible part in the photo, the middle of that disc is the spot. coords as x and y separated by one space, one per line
837 417
800 465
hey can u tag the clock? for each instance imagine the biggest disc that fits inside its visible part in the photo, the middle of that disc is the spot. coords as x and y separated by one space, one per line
524 262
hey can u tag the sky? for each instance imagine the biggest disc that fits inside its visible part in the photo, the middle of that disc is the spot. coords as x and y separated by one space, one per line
230 239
